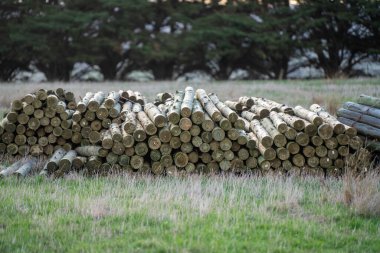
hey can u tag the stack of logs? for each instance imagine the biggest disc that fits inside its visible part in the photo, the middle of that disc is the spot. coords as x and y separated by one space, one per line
37 123
365 117
181 133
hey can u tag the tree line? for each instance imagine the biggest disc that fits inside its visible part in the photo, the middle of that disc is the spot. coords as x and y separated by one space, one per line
174 37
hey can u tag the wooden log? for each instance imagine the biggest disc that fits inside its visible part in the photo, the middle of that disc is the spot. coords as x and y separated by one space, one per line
225 124
283 153
332 154
298 160
163 96
236 106
126 109
302 139
155 115
26 168
316 140
154 142
164 134
280 124
139 98
321 151
28 109
147 124
112 158
362 128
260 110
270 105
107 141
263 163
22 118
204 147
279 140
102 112
20 139
93 164
79 162
12 149
185 124
262 135
208 124
95 102
185 136
246 101
187 103
198 114
343 151
362 109
88 150
52 101
313 161
65 163
175 142
114 112
325 131
16 105
308 115
111 99
370 101
356 143
175 130
141 149
166 161
116 132
174 111
343 139
267 152
337 126
82 105
293 121
249 115
12 117
181 159
208 105
359 117
130 123
218 134
291 134
310 129
118 148
11 169
325 162
308 151
224 109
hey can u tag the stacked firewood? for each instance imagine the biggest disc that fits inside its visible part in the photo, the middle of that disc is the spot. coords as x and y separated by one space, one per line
365 117
181 133
37 123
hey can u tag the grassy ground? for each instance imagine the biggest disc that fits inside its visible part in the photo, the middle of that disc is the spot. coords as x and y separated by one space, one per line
195 214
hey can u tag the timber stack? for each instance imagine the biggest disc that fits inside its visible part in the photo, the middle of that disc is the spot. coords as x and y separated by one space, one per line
180 133
364 115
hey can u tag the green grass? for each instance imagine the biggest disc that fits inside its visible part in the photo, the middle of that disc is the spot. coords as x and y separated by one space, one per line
195 214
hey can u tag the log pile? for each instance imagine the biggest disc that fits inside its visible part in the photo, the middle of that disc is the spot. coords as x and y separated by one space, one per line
365 117
184 132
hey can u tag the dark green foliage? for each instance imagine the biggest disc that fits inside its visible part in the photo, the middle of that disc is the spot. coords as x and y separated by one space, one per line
174 37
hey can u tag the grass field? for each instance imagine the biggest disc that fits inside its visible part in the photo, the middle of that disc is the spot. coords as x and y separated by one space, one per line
195 214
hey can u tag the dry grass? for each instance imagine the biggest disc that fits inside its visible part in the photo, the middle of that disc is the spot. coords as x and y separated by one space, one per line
362 193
